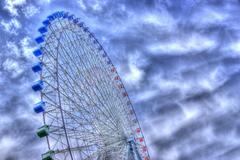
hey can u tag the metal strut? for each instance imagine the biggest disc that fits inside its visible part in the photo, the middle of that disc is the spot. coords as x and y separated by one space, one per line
60 106
133 153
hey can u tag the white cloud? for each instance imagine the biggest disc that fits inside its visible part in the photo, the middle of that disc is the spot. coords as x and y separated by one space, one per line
11 26
47 1
26 48
235 47
152 133
96 5
216 77
44 2
162 19
12 66
193 43
82 4
171 154
131 22
7 144
166 84
226 102
30 10
13 49
11 5
146 95
135 74
191 111
209 16
195 84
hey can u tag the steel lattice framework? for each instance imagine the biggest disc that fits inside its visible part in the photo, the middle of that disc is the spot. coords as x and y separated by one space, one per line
87 113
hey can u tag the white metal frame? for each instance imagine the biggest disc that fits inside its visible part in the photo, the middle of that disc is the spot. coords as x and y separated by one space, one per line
87 107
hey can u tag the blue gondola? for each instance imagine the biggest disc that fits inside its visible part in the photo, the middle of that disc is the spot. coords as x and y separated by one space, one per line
50 17
37 86
37 67
65 15
85 29
39 39
71 17
61 13
42 30
37 52
46 22
76 20
80 24
55 15
39 107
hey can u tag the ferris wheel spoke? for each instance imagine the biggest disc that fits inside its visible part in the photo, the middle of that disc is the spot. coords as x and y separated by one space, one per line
100 101
73 101
93 56
99 109
52 86
76 119
96 74
107 100
57 141
98 118
102 153
73 149
90 132
82 47
79 149
144 141
52 119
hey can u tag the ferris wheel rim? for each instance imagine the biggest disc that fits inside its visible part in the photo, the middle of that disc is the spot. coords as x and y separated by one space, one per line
59 15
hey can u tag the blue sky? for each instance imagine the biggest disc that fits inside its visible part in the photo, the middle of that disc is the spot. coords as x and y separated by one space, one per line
179 61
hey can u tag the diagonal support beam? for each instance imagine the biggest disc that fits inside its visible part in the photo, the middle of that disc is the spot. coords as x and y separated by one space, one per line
133 153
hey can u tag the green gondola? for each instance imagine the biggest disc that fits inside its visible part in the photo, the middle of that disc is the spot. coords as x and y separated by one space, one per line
43 131
48 155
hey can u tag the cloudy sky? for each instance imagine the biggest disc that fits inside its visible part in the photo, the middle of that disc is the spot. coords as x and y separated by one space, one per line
179 60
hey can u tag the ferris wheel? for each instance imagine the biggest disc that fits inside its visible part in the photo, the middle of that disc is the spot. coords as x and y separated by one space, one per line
87 114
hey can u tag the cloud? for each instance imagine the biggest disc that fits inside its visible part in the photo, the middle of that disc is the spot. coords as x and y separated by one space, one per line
30 10
135 74
7 144
235 47
13 49
27 48
82 4
183 45
11 6
11 26
12 67
210 16
162 19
